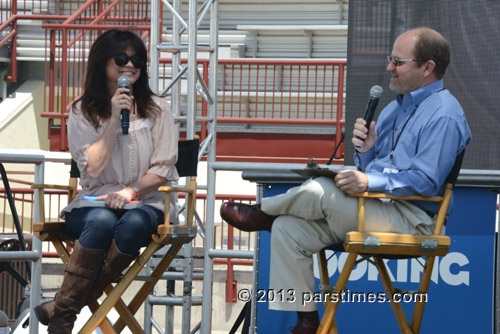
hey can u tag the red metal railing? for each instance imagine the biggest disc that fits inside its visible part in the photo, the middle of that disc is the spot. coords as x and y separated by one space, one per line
23 197
67 44
75 14
251 91
308 92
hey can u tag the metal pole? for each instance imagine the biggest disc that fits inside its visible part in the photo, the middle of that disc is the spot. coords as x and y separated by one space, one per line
190 131
253 304
192 66
153 51
206 319
206 315
176 61
36 269
187 289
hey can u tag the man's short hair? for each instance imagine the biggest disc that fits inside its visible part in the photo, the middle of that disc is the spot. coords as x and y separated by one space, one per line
431 45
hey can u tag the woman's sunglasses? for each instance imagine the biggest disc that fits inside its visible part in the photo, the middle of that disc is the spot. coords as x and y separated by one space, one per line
123 59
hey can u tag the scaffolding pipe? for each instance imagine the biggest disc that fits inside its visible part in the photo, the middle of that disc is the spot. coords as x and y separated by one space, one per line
206 316
172 301
230 254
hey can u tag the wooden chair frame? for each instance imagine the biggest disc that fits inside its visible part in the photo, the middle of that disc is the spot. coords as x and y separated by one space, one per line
167 234
378 245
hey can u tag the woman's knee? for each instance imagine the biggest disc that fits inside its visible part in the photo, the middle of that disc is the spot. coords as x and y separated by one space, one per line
135 228
101 220
138 221
97 228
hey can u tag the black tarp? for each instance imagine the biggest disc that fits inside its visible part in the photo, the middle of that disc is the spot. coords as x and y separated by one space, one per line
472 29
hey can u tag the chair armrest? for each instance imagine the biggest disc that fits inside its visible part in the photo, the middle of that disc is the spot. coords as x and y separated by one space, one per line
166 229
71 188
52 186
177 189
405 198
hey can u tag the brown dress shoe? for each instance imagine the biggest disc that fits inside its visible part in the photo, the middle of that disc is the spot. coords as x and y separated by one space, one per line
246 217
305 326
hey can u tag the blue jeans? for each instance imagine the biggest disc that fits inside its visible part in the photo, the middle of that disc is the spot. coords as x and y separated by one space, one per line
96 228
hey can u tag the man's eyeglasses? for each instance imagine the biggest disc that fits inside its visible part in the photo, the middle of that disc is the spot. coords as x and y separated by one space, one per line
397 62
123 59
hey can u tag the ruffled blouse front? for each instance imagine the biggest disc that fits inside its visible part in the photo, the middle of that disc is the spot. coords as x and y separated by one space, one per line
150 147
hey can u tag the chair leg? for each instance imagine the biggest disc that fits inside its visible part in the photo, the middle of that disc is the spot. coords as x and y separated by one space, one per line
333 327
389 289
325 280
418 311
323 272
147 287
61 250
118 290
331 308
105 326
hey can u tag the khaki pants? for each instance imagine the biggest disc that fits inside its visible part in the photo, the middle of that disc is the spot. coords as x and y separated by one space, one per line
317 214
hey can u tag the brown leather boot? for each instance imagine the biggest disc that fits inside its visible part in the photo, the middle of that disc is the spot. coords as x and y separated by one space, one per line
45 311
80 273
114 263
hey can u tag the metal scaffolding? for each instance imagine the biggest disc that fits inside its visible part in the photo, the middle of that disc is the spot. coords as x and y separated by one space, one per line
195 85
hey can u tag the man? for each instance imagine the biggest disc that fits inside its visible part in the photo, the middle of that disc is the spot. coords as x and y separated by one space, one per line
410 150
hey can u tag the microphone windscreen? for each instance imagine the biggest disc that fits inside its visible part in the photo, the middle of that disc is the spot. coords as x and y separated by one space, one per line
124 82
376 91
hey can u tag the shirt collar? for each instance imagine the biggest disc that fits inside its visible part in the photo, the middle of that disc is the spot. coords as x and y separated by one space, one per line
418 95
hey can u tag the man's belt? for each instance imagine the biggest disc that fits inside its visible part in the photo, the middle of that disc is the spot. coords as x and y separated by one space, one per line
430 214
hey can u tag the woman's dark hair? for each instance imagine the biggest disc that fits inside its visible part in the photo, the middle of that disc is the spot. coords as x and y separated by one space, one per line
430 45
96 99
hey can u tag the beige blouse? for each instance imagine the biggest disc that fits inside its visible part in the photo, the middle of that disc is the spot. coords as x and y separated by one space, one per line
150 147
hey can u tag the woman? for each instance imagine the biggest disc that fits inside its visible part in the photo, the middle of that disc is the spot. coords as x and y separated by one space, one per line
116 167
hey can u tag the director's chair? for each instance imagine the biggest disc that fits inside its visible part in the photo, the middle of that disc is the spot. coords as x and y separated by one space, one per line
174 236
377 246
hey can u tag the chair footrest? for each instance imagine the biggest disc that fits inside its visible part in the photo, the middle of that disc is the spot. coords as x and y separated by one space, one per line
397 244
49 226
175 233
47 231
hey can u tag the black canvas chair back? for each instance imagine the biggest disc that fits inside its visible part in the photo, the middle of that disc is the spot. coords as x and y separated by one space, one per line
74 171
453 176
187 159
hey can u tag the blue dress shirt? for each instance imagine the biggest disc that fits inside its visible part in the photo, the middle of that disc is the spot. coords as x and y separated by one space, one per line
425 130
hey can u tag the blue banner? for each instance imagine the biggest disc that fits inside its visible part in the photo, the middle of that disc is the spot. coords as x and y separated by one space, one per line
462 283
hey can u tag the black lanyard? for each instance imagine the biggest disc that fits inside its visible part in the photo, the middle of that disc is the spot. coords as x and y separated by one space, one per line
394 144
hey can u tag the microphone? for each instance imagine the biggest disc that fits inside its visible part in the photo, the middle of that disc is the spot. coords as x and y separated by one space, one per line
124 82
375 94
